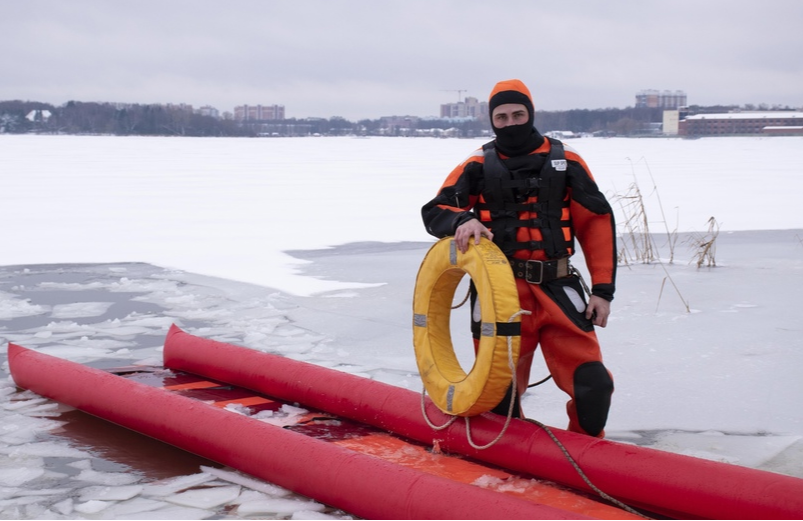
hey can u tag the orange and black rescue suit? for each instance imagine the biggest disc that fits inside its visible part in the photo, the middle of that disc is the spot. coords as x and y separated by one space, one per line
536 205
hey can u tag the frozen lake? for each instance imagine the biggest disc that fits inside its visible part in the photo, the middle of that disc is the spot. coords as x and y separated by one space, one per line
309 248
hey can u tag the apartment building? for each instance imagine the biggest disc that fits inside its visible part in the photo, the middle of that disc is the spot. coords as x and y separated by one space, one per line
208 110
470 108
664 100
258 112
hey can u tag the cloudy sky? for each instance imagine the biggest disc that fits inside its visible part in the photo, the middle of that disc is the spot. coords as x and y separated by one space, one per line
370 58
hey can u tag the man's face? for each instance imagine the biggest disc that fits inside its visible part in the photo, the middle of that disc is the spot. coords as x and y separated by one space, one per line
509 114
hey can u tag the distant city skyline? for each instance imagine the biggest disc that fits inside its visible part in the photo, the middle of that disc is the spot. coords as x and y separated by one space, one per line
469 108
471 105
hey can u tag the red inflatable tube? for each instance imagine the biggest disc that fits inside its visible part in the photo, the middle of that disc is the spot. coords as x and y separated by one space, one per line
362 485
668 484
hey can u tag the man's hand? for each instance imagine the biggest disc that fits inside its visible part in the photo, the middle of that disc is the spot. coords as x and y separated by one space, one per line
598 310
468 229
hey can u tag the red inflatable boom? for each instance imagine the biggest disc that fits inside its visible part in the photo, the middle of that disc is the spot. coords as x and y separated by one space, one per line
669 484
363 485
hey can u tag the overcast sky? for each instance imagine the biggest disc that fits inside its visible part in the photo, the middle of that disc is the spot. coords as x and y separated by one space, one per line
370 58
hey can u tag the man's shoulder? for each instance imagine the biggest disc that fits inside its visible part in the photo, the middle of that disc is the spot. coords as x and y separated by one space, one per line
571 153
477 156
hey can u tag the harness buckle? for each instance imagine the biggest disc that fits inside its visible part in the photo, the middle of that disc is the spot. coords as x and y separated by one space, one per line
533 182
528 271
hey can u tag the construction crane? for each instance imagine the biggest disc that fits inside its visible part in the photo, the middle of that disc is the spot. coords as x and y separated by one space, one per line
458 91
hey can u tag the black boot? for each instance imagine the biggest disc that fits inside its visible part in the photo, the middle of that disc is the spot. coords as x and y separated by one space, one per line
504 405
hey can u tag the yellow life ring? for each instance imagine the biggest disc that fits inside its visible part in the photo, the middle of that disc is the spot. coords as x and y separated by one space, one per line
448 385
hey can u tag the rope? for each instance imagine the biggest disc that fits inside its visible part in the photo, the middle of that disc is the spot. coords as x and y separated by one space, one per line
424 413
512 390
546 429
582 280
512 397
539 382
582 474
468 294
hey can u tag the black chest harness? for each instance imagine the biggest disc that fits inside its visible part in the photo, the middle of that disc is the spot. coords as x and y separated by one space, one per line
506 194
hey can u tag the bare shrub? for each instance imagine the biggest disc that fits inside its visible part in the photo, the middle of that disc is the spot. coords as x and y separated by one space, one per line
705 245
637 244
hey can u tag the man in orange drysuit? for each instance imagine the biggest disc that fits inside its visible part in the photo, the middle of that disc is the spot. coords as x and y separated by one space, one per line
533 196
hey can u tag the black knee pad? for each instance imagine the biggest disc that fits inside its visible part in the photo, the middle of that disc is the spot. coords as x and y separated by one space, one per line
593 387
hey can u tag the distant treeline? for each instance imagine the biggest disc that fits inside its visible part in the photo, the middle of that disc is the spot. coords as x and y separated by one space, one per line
75 117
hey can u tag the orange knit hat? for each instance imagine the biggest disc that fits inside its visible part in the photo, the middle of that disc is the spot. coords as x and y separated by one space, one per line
510 91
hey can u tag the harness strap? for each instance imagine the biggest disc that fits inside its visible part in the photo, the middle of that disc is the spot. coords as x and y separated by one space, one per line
496 192
512 207
527 245
552 193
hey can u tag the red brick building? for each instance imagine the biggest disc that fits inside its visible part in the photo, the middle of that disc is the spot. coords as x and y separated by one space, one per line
742 123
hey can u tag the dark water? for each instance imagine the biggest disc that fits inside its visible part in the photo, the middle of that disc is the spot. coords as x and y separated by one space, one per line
112 448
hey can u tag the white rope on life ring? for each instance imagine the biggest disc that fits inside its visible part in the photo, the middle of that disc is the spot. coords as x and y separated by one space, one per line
454 391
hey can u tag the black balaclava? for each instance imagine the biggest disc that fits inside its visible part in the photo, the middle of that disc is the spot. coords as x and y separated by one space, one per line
514 140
